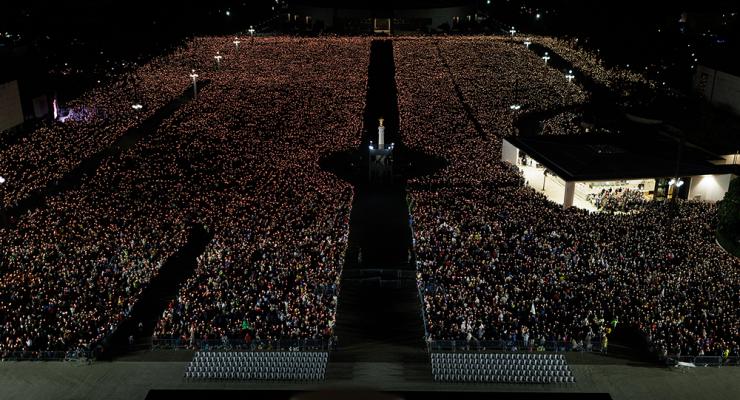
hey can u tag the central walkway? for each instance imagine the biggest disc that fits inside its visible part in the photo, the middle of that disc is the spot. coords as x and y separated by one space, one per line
379 326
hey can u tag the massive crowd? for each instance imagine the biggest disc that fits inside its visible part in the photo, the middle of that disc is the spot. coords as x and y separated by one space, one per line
272 269
242 160
72 269
615 78
92 123
496 260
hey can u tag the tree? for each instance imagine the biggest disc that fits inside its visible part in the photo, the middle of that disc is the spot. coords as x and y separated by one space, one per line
729 214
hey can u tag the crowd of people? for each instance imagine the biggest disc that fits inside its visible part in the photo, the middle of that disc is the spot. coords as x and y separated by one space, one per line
272 270
572 123
618 199
71 270
242 160
615 78
496 260
92 123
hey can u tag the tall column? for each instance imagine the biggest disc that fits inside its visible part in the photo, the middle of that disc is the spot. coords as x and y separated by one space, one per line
381 135
509 152
570 192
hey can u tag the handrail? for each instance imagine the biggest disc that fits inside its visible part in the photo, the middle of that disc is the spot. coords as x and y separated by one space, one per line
240 344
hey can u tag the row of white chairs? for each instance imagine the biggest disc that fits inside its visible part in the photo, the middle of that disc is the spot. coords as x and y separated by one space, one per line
247 376
497 356
242 368
491 367
444 371
501 368
261 364
480 362
260 355
257 365
502 379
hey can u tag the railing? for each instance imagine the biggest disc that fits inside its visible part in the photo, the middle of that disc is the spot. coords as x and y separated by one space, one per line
419 287
420 290
72 355
704 361
474 345
514 346
240 344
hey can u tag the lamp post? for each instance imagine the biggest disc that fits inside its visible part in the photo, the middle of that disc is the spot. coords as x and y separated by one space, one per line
527 43
512 31
673 185
569 76
546 57
251 32
236 43
677 182
195 84
2 210
218 58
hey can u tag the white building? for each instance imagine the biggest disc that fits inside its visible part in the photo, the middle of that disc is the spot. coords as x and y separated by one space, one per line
11 112
573 170
719 88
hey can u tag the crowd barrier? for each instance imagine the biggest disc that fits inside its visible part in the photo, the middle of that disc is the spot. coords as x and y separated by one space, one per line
704 361
513 346
72 355
240 344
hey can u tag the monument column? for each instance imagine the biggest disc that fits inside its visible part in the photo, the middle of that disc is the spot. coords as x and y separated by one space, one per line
381 135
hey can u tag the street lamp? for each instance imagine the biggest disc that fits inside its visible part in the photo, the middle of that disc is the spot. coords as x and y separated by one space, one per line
569 76
546 57
218 58
195 85
2 210
673 185
527 43
251 32
515 107
512 31
236 43
137 106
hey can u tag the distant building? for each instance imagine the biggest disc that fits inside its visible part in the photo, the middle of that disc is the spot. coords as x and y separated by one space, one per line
719 88
572 169
11 112
367 16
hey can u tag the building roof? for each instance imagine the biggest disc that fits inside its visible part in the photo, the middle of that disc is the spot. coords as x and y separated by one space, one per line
595 157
